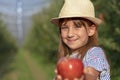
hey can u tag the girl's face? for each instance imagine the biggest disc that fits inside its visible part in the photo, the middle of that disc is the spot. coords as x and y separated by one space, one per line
75 34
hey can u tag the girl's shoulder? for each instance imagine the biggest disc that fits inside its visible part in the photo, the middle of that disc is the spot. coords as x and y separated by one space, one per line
96 48
95 51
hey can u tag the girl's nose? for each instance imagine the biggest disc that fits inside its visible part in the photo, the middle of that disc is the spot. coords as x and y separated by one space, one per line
70 33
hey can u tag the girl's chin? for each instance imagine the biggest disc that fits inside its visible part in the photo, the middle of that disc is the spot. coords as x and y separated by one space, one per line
74 48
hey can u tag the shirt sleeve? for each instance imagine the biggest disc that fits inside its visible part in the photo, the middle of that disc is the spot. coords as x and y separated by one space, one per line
96 59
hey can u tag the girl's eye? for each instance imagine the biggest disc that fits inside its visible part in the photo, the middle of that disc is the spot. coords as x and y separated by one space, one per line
64 27
78 26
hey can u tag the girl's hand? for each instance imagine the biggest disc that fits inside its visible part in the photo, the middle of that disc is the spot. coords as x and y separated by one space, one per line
58 77
91 74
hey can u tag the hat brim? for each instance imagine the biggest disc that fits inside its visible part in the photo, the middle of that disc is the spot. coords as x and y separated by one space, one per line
96 21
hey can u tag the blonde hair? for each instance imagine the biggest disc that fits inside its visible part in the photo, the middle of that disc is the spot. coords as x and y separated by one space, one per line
64 50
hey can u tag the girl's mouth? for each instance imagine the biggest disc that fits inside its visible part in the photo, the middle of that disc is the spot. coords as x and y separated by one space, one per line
71 40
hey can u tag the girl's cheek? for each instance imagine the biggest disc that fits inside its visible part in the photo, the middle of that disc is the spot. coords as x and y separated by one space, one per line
64 35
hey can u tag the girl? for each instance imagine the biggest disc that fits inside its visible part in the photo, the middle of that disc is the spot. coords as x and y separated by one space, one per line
78 38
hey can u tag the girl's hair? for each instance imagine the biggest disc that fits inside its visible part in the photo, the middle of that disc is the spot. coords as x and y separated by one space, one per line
64 50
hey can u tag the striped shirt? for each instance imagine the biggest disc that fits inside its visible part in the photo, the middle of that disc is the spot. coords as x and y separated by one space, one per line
96 59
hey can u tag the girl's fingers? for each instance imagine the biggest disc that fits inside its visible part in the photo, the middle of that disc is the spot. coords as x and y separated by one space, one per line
56 71
59 77
79 79
82 77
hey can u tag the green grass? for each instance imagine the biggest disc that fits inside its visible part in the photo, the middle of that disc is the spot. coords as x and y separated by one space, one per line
47 67
24 70
23 67
18 69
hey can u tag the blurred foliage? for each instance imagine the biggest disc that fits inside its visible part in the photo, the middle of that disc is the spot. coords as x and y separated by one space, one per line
7 46
43 37
109 32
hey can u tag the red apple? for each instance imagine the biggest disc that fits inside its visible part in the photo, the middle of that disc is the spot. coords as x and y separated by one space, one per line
70 68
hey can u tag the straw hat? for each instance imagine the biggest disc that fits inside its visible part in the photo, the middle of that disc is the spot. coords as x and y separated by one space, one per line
77 8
